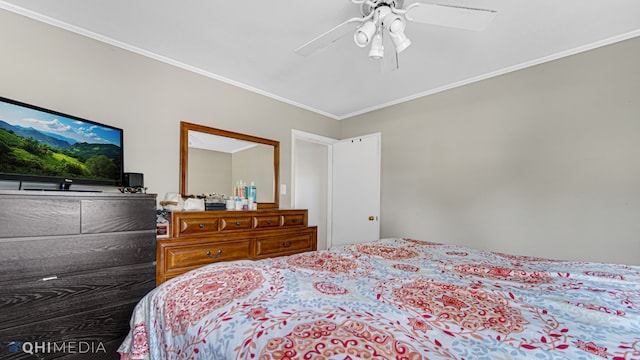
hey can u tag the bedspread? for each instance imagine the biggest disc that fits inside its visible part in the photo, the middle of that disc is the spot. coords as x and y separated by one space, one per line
392 299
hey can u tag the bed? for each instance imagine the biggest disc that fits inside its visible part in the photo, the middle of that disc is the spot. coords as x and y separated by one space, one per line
392 299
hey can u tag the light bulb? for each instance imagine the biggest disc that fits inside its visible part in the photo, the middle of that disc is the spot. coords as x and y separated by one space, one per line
394 24
363 35
361 38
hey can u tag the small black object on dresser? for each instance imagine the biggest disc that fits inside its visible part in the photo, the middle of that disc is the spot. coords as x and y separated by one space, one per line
133 180
72 268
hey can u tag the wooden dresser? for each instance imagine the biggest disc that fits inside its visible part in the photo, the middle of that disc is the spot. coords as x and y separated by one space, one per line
73 266
203 237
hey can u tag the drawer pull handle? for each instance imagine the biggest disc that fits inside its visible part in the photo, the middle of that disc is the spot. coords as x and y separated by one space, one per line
287 243
214 256
268 222
238 223
201 226
294 221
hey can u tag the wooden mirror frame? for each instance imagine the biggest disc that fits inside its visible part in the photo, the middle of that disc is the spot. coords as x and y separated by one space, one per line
185 127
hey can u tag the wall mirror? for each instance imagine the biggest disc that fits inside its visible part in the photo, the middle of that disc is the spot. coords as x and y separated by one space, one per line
214 160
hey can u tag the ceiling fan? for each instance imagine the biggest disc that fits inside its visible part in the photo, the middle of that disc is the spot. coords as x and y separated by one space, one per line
384 20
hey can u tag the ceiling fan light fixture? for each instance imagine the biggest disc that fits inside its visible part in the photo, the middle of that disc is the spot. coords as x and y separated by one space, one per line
382 20
377 50
394 23
400 41
364 34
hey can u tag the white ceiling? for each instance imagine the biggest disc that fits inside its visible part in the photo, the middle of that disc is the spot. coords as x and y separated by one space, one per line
251 43
201 140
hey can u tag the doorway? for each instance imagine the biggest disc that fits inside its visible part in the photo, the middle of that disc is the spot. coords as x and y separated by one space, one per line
315 183
310 180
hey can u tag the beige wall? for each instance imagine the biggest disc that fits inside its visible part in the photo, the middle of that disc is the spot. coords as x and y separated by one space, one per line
210 172
544 161
56 69
255 165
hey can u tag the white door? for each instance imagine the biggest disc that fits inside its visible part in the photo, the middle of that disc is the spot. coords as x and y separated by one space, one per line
356 190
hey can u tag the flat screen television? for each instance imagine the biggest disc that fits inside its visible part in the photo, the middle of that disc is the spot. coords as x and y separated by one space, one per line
40 145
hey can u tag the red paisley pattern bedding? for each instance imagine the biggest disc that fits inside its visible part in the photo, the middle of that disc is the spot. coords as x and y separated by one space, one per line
392 299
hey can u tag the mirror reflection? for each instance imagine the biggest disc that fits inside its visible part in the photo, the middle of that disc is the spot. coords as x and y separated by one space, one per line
223 162
215 161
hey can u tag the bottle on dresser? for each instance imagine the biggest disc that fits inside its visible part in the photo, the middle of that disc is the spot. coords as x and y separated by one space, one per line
245 196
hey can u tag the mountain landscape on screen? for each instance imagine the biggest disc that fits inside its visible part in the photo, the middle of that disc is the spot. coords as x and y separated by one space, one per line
29 151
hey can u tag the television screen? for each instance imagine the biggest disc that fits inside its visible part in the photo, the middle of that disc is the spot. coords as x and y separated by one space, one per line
42 145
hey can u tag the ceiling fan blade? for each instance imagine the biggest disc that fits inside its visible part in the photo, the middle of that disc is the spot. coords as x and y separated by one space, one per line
329 37
459 17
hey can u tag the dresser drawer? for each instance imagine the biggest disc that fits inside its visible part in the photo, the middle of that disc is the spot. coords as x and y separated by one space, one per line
194 226
283 244
116 215
183 257
231 235
293 220
31 301
39 217
56 255
236 223
262 222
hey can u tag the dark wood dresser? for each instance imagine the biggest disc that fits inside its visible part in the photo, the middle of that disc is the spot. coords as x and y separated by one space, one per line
202 237
72 267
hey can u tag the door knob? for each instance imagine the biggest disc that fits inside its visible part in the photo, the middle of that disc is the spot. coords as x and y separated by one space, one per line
371 218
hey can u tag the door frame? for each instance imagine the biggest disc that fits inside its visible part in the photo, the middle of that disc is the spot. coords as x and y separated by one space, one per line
298 135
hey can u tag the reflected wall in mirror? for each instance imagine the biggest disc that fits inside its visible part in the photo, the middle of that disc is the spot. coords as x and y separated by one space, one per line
214 160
